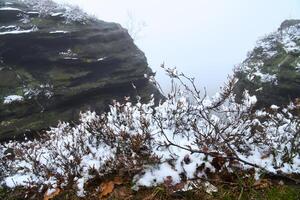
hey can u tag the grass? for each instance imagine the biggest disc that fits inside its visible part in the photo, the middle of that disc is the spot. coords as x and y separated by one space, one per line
225 192
273 193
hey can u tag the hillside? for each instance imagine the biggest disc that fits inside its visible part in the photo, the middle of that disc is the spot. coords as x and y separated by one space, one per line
272 69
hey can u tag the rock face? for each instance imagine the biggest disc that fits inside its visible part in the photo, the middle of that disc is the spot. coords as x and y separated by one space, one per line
272 69
56 61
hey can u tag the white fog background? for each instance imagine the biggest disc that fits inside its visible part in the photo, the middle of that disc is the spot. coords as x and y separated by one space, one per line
202 38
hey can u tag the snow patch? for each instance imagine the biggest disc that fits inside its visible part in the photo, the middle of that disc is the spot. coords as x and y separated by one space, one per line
56 14
12 98
59 31
10 8
101 59
19 31
19 180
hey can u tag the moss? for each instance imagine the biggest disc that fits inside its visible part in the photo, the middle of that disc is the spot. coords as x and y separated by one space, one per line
28 80
273 193
280 193
59 75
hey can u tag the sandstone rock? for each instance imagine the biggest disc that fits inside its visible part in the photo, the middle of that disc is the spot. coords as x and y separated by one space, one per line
62 61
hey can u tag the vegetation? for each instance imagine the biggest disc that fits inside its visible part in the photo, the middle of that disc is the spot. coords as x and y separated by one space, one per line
188 145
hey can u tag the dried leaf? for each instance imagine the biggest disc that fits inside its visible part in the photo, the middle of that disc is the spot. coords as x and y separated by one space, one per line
106 188
50 194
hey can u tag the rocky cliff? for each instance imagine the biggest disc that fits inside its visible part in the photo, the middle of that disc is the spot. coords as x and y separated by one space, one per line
56 61
272 69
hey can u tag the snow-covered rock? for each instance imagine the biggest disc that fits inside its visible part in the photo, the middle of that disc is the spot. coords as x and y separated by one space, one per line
271 70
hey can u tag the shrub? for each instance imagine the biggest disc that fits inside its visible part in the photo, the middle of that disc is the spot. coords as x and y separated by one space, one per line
187 136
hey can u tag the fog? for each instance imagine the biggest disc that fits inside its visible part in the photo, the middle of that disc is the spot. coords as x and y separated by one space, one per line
202 38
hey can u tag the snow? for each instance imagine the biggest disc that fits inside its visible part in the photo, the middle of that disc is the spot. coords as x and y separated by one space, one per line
289 36
266 78
43 89
49 8
70 58
8 27
101 59
59 31
80 185
18 180
267 46
9 8
157 176
286 40
56 14
249 100
12 98
69 55
274 107
32 12
18 31
50 191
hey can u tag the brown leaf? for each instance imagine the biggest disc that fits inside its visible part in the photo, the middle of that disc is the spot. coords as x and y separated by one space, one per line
106 188
52 194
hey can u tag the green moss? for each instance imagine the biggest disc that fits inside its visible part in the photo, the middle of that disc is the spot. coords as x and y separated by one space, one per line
283 193
59 75
27 78
273 193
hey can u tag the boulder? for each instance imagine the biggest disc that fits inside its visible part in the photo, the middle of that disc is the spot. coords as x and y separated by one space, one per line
56 61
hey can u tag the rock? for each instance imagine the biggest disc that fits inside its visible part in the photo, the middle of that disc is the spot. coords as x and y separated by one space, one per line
272 69
59 61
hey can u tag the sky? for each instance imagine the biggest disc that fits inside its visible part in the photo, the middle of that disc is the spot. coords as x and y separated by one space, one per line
204 39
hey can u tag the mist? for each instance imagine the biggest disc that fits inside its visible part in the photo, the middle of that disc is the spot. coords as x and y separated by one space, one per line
205 39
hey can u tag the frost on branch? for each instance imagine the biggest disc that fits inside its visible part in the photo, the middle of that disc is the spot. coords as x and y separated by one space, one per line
188 136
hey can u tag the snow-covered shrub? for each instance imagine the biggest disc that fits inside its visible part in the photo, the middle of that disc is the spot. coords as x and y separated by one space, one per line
187 136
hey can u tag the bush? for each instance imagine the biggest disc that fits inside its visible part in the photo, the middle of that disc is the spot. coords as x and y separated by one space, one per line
188 136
